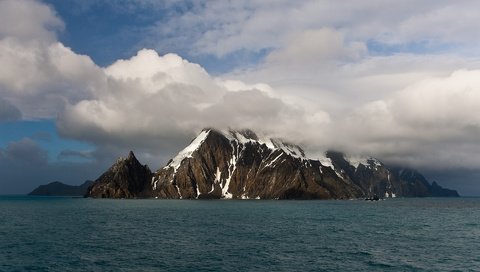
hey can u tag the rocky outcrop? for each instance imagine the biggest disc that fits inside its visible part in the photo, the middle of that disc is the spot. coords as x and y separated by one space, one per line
57 188
241 165
127 178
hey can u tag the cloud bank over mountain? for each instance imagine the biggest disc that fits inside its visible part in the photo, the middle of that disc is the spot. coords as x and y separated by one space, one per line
340 76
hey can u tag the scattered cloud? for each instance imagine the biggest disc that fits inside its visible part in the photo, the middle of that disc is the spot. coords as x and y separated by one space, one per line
221 28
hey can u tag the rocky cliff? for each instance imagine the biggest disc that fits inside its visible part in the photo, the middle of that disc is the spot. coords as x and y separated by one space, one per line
127 178
240 165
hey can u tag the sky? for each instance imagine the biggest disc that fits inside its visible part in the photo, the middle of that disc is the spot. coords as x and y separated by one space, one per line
85 81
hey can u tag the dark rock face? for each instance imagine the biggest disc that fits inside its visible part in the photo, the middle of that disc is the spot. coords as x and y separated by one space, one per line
57 188
375 178
439 191
240 165
417 185
127 178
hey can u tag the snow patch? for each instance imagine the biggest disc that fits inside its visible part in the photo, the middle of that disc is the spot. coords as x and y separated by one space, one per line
268 142
154 182
188 151
231 169
326 161
369 162
274 160
292 150
217 179
198 191
178 191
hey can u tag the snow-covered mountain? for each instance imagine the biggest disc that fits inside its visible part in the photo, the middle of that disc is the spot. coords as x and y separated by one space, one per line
240 165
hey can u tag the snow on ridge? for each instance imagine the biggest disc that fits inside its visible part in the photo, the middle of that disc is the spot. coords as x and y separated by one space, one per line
188 151
326 161
248 136
268 142
356 160
290 149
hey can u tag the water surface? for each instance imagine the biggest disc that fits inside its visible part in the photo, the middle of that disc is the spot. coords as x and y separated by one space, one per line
76 234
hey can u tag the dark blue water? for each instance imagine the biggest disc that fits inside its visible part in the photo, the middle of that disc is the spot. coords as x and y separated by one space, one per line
75 234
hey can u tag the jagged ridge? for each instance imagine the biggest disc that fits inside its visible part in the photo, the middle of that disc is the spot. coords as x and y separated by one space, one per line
127 178
240 165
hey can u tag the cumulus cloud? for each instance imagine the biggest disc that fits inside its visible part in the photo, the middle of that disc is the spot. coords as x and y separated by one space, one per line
38 22
42 77
42 73
157 103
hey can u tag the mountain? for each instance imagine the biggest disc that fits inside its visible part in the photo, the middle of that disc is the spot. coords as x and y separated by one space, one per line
240 165
57 188
127 178
237 164
375 178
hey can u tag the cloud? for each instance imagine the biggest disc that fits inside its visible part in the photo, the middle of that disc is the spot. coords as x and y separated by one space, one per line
42 73
24 152
222 28
321 83
9 112
38 21
24 165
157 103
42 77
433 123
68 153
316 47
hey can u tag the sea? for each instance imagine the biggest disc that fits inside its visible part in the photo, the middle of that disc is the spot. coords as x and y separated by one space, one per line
78 234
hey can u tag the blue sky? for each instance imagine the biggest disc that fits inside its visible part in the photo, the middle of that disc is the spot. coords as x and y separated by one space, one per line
89 80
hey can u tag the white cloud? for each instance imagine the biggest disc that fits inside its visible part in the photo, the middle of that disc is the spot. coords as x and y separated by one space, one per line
41 78
316 47
27 20
224 27
42 74
157 103
433 123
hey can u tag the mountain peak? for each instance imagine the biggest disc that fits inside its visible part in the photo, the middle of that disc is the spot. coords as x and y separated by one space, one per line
126 178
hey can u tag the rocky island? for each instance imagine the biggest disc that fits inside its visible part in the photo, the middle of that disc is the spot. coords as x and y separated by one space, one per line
240 165
57 188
